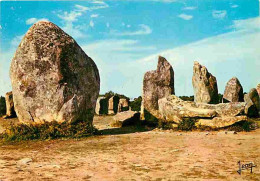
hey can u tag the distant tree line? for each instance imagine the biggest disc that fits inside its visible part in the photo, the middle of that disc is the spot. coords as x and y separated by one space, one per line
110 94
2 106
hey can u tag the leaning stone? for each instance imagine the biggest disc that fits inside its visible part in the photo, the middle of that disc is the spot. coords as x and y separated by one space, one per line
10 112
252 108
225 109
52 77
233 91
125 118
220 122
156 85
173 109
204 85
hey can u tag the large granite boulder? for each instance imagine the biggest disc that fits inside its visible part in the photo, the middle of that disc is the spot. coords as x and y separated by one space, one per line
156 85
224 109
204 85
123 105
113 105
101 106
220 122
173 109
252 108
233 91
10 112
52 77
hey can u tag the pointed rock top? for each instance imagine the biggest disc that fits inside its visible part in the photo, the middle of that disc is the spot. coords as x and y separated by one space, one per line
163 64
204 85
233 91
200 69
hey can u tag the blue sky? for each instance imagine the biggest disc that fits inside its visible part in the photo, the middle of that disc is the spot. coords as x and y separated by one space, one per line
125 37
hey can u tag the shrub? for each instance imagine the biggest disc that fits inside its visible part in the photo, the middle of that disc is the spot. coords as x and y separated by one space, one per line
110 94
186 124
243 126
187 98
136 104
48 130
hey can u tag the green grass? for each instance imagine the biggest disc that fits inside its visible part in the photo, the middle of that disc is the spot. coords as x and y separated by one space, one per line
48 130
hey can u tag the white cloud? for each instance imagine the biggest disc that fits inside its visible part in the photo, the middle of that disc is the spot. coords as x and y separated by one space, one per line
107 53
94 15
0 27
34 20
190 8
185 16
81 8
128 26
165 1
234 6
219 14
91 23
144 30
99 5
5 58
74 31
107 25
12 8
96 5
70 17
98 2
16 41
227 55
252 24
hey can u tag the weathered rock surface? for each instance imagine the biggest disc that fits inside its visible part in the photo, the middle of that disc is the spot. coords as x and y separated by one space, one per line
113 105
252 108
156 85
123 105
10 112
52 77
174 109
220 122
204 85
233 91
125 118
101 106
258 89
225 109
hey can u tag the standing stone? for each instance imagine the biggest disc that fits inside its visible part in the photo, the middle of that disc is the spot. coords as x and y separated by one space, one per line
204 85
123 105
113 105
258 89
101 106
52 77
233 91
10 112
252 108
157 84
